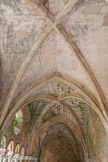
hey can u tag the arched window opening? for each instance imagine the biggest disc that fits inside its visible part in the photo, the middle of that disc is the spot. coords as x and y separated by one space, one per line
11 146
17 149
3 143
18 122
22 151
36 151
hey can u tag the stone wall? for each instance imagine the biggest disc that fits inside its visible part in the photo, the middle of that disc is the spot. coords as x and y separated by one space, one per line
97 138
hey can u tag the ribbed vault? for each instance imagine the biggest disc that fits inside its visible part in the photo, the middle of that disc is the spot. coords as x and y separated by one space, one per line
54 69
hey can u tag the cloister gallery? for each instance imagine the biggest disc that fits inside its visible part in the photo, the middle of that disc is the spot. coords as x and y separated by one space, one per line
54 80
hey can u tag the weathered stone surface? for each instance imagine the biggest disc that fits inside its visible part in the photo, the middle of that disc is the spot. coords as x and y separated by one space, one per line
105 21
93 9
54 69
89 34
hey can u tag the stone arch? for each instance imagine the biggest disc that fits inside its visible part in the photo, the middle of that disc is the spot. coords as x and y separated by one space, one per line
87 98
66 132
3 142
10 146
17 149
22 151
49 123
67 108
18 122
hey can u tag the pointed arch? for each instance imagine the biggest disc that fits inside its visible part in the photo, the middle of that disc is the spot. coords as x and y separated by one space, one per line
10 146
46 125
3 142
83 94
17 149
22 151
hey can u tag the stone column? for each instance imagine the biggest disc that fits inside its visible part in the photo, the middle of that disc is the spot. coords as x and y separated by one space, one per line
86 158
20 158
16 157
1 158
10 156
3 153
4 159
